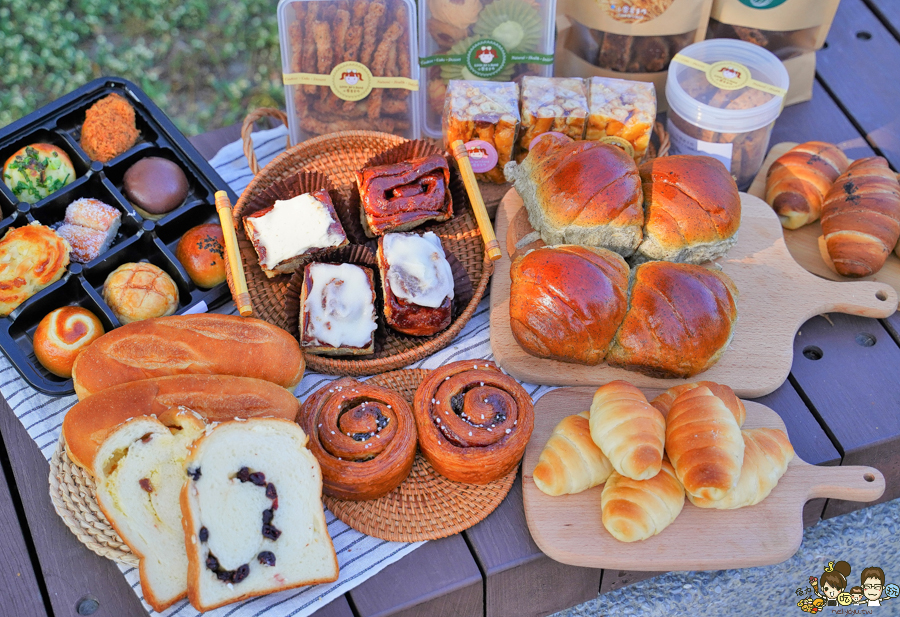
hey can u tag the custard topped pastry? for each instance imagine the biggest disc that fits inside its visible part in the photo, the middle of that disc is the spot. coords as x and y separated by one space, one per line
288 232
404 195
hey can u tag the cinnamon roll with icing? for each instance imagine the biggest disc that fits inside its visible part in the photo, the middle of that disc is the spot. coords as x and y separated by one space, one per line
337 309
364 437
473 421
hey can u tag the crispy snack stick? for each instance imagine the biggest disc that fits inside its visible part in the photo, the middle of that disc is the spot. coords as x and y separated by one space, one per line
370 31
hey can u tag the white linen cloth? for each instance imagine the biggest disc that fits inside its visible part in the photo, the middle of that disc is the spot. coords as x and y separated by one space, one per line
359 556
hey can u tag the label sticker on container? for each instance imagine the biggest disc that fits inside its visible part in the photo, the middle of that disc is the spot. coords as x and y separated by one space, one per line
619 141
762 4
350 81
635 11
482 155
537 138
486 58
682 143
729 75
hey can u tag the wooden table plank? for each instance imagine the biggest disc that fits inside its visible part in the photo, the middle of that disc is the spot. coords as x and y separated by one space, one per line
19 591
512 562
888 11
849 368
861 58
439 579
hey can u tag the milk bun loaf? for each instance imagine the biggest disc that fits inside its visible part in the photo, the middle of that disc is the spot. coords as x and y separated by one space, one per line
215 398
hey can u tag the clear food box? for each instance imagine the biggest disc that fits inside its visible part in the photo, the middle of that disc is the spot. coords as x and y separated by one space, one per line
349 64
480 40
551 104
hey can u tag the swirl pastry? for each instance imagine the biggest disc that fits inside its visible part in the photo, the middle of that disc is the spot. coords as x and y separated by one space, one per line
404 195
363 436
62 335
473 421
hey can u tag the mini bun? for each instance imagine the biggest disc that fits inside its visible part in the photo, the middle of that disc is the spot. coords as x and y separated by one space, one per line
62 335
201 252
137 291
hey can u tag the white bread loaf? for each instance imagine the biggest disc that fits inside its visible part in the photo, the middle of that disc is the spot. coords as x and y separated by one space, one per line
244 536
139 472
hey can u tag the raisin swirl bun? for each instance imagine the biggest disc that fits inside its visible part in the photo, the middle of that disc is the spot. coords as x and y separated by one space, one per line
473 421
363 436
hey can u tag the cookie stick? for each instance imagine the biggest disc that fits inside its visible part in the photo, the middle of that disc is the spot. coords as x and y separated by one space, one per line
370 31
308 57
379 62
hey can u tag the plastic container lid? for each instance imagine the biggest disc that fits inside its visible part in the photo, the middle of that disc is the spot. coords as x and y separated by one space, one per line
728 65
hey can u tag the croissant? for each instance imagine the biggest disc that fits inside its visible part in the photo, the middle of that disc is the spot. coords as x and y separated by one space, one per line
629 430
797 182
861 217
570 461
704 443
664 401
767 453
633 510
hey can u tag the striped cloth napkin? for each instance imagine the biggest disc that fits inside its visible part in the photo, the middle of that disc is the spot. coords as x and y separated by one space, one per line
359 556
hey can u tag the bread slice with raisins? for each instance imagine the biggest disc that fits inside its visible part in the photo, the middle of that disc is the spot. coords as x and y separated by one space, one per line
139 470
252 513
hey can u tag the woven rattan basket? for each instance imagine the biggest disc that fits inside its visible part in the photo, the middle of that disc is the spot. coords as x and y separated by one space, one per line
339 156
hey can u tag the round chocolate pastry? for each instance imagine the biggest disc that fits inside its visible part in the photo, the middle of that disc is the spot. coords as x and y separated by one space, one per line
201 252
36 171
155 186
62 335
136 291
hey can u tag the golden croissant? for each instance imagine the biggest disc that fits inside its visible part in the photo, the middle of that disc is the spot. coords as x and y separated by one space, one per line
570 461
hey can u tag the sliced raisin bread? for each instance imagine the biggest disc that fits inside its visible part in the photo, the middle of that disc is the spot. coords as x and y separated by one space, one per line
139 470
252 513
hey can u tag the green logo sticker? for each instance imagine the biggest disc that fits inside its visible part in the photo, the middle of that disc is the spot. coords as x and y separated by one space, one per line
485 58
762 4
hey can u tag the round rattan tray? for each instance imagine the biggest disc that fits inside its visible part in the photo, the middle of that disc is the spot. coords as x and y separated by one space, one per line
427 506
339 156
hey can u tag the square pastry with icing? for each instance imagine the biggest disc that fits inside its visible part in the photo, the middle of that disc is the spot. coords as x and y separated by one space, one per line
417 281
289 232
404 195
337 309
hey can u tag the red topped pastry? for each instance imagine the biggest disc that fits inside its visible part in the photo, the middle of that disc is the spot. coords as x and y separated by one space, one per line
404 195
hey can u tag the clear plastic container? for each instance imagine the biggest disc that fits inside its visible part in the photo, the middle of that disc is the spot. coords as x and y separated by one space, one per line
724 97
350 64
499 40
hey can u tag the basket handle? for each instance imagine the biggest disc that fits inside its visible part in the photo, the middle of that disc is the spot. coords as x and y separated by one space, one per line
247 130
663 139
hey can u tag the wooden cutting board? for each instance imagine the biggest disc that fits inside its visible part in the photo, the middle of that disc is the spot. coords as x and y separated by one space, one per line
803 243
776 297
569 529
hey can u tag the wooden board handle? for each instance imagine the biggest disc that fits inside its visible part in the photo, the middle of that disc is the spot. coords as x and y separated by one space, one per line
864 298
855 483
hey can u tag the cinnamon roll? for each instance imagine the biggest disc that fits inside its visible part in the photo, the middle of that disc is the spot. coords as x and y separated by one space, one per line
473 421
363 436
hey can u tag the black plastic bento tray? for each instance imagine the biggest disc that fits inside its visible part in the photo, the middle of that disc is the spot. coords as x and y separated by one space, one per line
138 239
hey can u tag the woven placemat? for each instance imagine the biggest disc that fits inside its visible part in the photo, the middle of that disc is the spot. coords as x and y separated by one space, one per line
339 156
72 494
427 506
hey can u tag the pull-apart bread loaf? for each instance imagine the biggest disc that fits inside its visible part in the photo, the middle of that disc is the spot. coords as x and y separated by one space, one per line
215 398
798 181
680 320
704 443
861 217
692 209
767 453
630 431
581 192
206 344
252 513
566 302
571 462
633 510
139 471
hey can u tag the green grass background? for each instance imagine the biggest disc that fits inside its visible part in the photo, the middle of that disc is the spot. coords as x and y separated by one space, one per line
204 62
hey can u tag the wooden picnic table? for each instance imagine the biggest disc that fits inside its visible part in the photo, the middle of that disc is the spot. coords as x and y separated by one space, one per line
839 405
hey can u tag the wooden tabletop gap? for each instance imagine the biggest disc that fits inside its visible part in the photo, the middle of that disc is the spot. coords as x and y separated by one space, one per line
812 409
885 21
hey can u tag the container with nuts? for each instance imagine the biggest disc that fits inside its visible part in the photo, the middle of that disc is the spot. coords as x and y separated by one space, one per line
622 113
485 116
551 104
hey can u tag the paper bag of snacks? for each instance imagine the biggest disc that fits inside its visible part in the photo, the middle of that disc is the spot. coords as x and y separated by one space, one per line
499 40
621 112
485 116
791 29
349 64
551 104
628 39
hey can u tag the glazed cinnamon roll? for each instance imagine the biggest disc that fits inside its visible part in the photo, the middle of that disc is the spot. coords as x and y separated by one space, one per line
363 436
473 421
